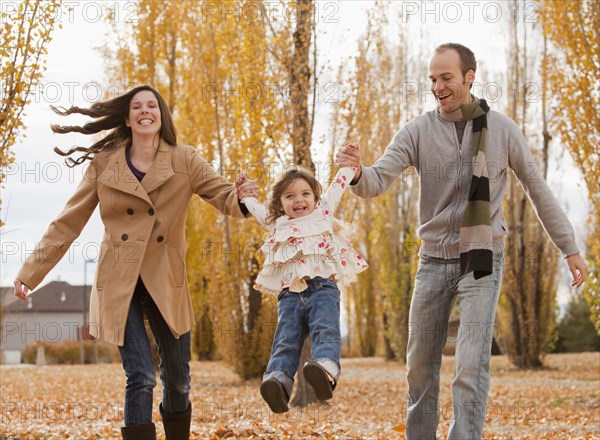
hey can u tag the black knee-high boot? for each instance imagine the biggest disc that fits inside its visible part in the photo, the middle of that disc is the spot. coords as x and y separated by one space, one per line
177 425
143 431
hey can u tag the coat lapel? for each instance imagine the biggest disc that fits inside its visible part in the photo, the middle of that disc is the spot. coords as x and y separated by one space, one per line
161 169
117 175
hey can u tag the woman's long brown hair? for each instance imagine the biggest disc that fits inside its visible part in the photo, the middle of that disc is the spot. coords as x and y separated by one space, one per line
111 115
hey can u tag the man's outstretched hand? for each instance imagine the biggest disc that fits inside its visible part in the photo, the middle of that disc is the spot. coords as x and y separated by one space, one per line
578 268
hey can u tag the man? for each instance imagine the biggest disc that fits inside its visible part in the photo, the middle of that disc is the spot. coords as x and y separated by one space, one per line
462 152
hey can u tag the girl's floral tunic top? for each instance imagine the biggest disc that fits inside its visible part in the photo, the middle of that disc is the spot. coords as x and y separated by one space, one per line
310 246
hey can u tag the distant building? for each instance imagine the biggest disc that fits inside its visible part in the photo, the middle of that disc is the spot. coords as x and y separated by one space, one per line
53 313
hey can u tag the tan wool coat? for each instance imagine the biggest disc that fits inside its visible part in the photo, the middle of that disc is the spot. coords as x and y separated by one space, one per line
144 234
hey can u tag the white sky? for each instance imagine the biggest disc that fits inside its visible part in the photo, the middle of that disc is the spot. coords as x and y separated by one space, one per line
39 184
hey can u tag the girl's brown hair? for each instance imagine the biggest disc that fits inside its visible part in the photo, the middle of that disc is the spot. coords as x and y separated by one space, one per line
111 115
286 179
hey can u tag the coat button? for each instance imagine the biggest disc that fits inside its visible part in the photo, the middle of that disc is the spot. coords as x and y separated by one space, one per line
130 211
124 237
160 238
151 211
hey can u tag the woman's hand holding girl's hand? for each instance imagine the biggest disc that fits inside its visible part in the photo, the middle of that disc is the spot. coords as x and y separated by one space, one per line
20 289
245 188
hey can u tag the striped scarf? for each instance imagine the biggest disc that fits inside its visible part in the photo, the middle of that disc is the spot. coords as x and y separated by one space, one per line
476 226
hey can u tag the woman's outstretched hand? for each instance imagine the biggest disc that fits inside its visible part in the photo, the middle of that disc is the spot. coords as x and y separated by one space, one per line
20 289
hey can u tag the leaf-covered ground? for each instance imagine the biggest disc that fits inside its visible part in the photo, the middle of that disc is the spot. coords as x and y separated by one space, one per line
561 401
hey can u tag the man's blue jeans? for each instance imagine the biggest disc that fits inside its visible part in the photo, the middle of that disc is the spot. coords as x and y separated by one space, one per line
315 311
437 285
136 356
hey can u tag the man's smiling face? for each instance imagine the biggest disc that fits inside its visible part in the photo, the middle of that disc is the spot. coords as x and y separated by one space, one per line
449 86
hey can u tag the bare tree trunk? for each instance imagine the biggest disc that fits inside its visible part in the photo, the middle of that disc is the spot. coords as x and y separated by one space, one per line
301 140
172 63
388 325
391 319
254 298
529 281
300 84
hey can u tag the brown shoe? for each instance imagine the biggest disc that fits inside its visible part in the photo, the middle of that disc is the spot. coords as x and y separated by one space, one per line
319 379
275 395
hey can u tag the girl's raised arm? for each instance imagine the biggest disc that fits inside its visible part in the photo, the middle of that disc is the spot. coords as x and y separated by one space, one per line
339 184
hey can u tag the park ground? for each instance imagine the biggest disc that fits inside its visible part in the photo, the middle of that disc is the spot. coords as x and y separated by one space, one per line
560 401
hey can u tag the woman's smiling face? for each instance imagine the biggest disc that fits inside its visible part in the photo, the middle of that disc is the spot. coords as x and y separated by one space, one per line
144 114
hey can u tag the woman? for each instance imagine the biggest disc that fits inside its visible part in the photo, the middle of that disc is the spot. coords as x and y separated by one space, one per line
144 183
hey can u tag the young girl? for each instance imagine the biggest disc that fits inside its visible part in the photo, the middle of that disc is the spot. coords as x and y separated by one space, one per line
306 255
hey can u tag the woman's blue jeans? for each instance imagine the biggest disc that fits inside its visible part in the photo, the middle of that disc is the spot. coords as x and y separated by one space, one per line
136 355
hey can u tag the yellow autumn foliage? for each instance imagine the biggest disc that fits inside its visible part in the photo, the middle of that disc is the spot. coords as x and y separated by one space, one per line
225 79
25 32
371 110
573 78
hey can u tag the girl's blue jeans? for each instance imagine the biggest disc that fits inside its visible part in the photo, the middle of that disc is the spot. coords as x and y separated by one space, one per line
314 312
136 355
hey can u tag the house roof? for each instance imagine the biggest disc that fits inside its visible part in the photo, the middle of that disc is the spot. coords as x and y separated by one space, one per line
56 296
6 297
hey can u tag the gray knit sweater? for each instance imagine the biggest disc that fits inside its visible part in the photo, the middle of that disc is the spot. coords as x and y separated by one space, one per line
431 145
